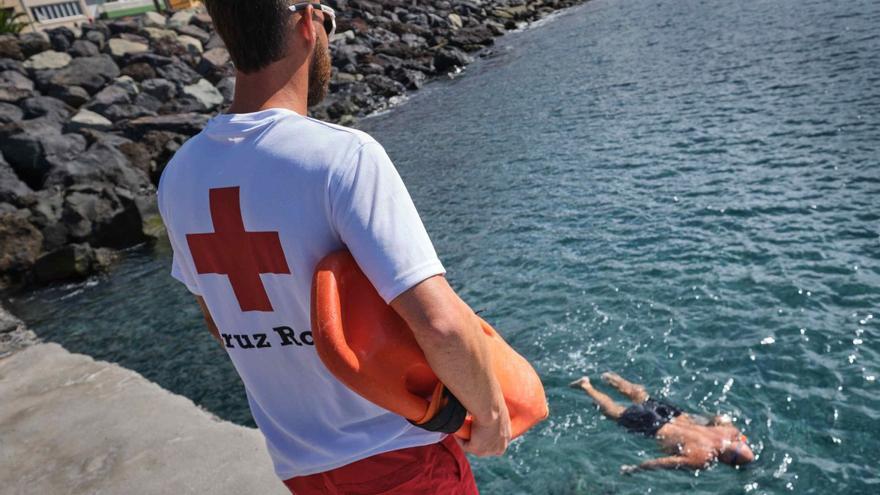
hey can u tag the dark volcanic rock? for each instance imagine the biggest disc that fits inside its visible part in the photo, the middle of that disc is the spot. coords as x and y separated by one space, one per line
216 64
448 58
102 162
91 73
71 262
226 87
103 215
14 65
52 109
12 189
188 124
151 59
412 79
74 96
139 71
33 43
10 113
15 86
159 88
20 242
96 36
194 31
84 48
9 47
33 147
384 86
179 73
61 38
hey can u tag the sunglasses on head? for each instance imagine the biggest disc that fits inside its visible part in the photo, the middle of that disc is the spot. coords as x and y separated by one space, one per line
329 15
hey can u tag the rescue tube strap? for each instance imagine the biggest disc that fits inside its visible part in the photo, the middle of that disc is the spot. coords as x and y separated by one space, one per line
449 418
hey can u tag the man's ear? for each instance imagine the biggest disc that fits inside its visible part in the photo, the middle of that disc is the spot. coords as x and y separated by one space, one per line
306 26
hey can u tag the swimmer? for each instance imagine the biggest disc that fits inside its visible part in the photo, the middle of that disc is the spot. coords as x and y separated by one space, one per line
693 442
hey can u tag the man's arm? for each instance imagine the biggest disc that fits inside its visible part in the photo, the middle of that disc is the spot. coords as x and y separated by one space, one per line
450 335
672 462
209 321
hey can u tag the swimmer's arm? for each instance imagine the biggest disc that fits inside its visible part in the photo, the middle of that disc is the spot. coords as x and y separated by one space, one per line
672 462
212 327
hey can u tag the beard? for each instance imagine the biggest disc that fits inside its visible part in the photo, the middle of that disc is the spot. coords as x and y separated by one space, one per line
319 74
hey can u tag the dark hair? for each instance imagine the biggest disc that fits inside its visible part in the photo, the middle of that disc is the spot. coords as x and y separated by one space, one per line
254 31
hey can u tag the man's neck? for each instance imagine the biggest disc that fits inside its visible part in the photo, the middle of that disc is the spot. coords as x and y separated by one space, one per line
272 87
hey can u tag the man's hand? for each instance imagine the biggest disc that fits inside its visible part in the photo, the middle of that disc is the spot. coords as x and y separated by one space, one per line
488 438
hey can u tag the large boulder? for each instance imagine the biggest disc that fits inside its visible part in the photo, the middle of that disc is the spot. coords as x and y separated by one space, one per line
181 18
15 86
34 147
140 71
91 73
158 34
194 32
84 48
9 47
33 43
102 162
178 72
448 58
74 96
154 19
120 47
86 119
12 189
216 64
188 124
61 38
10 113
97 37
193 46
205 93
49 59
20 242
46 210
159 88
51 108
14 65
103 215
71 262
226 87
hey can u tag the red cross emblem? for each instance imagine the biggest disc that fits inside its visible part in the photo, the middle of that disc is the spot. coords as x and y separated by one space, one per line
241 255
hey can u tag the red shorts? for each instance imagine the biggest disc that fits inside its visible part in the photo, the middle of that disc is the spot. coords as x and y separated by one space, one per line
438 468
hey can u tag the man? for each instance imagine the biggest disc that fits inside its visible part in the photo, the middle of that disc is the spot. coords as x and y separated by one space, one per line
251 205
692 441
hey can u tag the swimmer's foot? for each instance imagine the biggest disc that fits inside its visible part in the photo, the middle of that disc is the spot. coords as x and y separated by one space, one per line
612 379
581 383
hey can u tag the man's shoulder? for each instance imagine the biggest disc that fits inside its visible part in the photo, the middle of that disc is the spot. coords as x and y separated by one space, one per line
341 133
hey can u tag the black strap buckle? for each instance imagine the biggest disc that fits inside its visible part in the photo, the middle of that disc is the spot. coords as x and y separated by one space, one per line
449 418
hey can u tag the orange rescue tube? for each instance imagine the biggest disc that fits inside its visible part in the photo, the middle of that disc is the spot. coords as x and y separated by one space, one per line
368 347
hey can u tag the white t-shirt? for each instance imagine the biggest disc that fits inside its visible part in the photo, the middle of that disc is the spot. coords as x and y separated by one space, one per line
251 204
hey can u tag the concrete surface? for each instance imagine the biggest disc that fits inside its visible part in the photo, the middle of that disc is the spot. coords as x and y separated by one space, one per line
73 425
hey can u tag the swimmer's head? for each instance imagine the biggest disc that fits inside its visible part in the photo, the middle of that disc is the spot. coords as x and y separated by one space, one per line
737 453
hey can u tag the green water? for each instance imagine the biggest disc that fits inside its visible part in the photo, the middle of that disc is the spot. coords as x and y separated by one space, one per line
686 192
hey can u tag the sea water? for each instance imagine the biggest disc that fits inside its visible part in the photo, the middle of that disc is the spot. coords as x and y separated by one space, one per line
686 192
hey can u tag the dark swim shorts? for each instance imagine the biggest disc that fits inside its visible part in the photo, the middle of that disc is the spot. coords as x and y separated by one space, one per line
648 417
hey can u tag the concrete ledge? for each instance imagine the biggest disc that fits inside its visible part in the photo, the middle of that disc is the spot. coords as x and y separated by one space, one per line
70 424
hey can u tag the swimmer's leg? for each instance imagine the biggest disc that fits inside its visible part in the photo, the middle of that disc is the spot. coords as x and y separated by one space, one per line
636 393
606 404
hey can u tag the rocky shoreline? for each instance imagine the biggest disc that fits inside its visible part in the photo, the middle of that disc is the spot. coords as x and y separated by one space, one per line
89 119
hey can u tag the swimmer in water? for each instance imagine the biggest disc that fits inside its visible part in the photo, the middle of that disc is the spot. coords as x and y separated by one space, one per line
693 442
